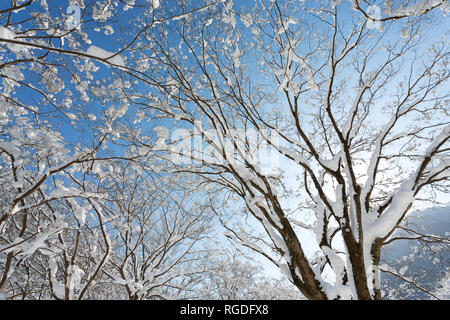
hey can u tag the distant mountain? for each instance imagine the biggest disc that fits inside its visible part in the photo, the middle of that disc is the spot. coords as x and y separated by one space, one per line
426 262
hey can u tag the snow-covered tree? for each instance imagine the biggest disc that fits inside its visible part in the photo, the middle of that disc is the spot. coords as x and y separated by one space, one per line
157 238
232 276
61 119
46 69
352 108
311 128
